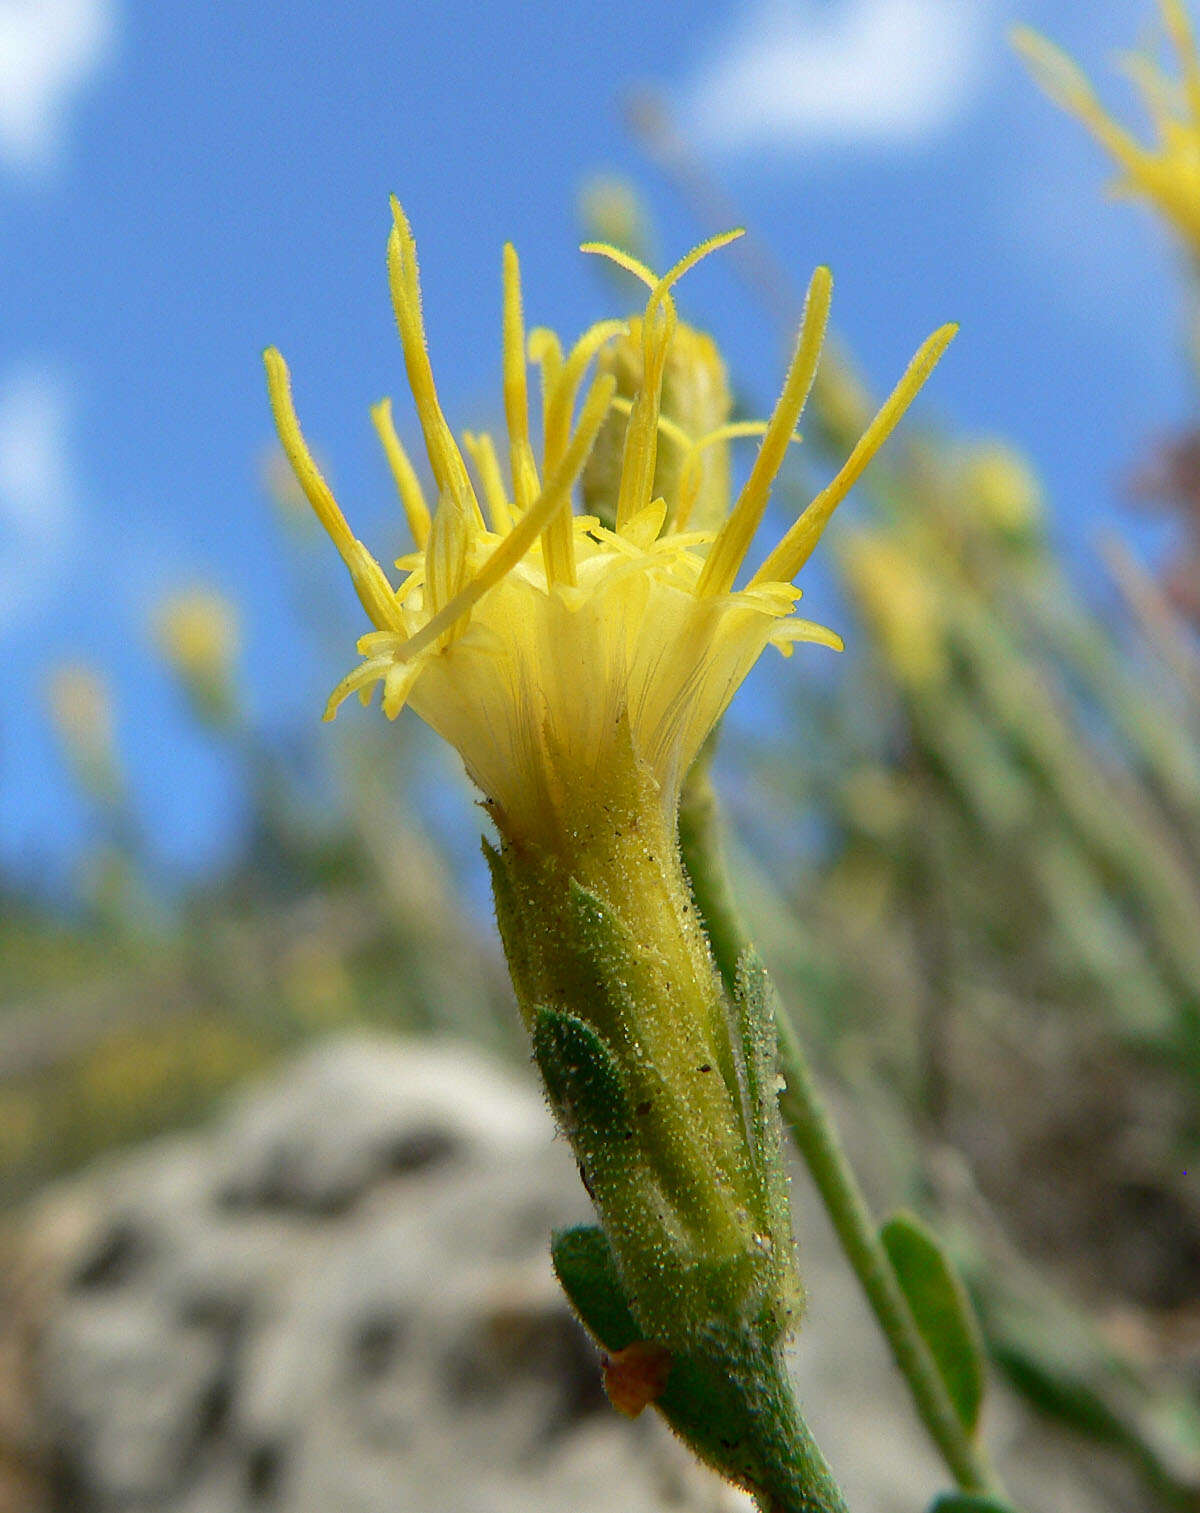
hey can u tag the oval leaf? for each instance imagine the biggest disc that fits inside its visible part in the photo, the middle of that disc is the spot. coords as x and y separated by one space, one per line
941 1309
584 1265
967 1502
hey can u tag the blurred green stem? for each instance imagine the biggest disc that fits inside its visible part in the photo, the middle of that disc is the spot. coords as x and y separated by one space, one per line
819 1145
815 1136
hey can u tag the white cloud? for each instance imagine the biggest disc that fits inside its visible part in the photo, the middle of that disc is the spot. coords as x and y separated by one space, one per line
38 493
799 75
48 50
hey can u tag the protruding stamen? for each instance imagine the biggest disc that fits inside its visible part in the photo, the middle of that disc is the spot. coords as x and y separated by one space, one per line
555 496
659 286
308 474
375 593
558 539
407 483
558 548
641 434
525 475
516 388
734 537
397 685
449 470
360 680
692 473
787 632
487 465
545 349
797 546
658 326
448 555
622 259
370 582
688 262
567 378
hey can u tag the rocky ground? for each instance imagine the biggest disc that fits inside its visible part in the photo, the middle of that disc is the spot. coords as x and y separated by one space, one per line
337 1297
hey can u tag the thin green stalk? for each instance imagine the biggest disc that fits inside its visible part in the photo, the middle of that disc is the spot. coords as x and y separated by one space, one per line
814 1134
818 1143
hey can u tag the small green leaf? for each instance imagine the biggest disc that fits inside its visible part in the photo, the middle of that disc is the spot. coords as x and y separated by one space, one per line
509 921
754 1006
583 1263
582 1077
941 1309
967 1502
600 933
760 1059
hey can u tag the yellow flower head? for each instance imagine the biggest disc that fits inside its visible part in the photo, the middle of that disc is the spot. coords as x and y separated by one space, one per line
611 210
81 708
1000 486
1165 171
197 630
541 643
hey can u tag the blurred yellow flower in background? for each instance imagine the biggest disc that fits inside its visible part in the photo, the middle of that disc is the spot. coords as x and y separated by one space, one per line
81 711
899 603
612 211
1165 171
999 484
197 632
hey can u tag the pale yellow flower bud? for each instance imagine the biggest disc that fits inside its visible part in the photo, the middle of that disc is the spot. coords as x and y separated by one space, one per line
197 632
611 210
900 605
81 711
696 401
1000 487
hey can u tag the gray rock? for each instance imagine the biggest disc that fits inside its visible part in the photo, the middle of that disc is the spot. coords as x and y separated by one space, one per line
339 1298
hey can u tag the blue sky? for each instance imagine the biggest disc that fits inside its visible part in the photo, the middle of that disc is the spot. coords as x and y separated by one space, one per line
180 185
